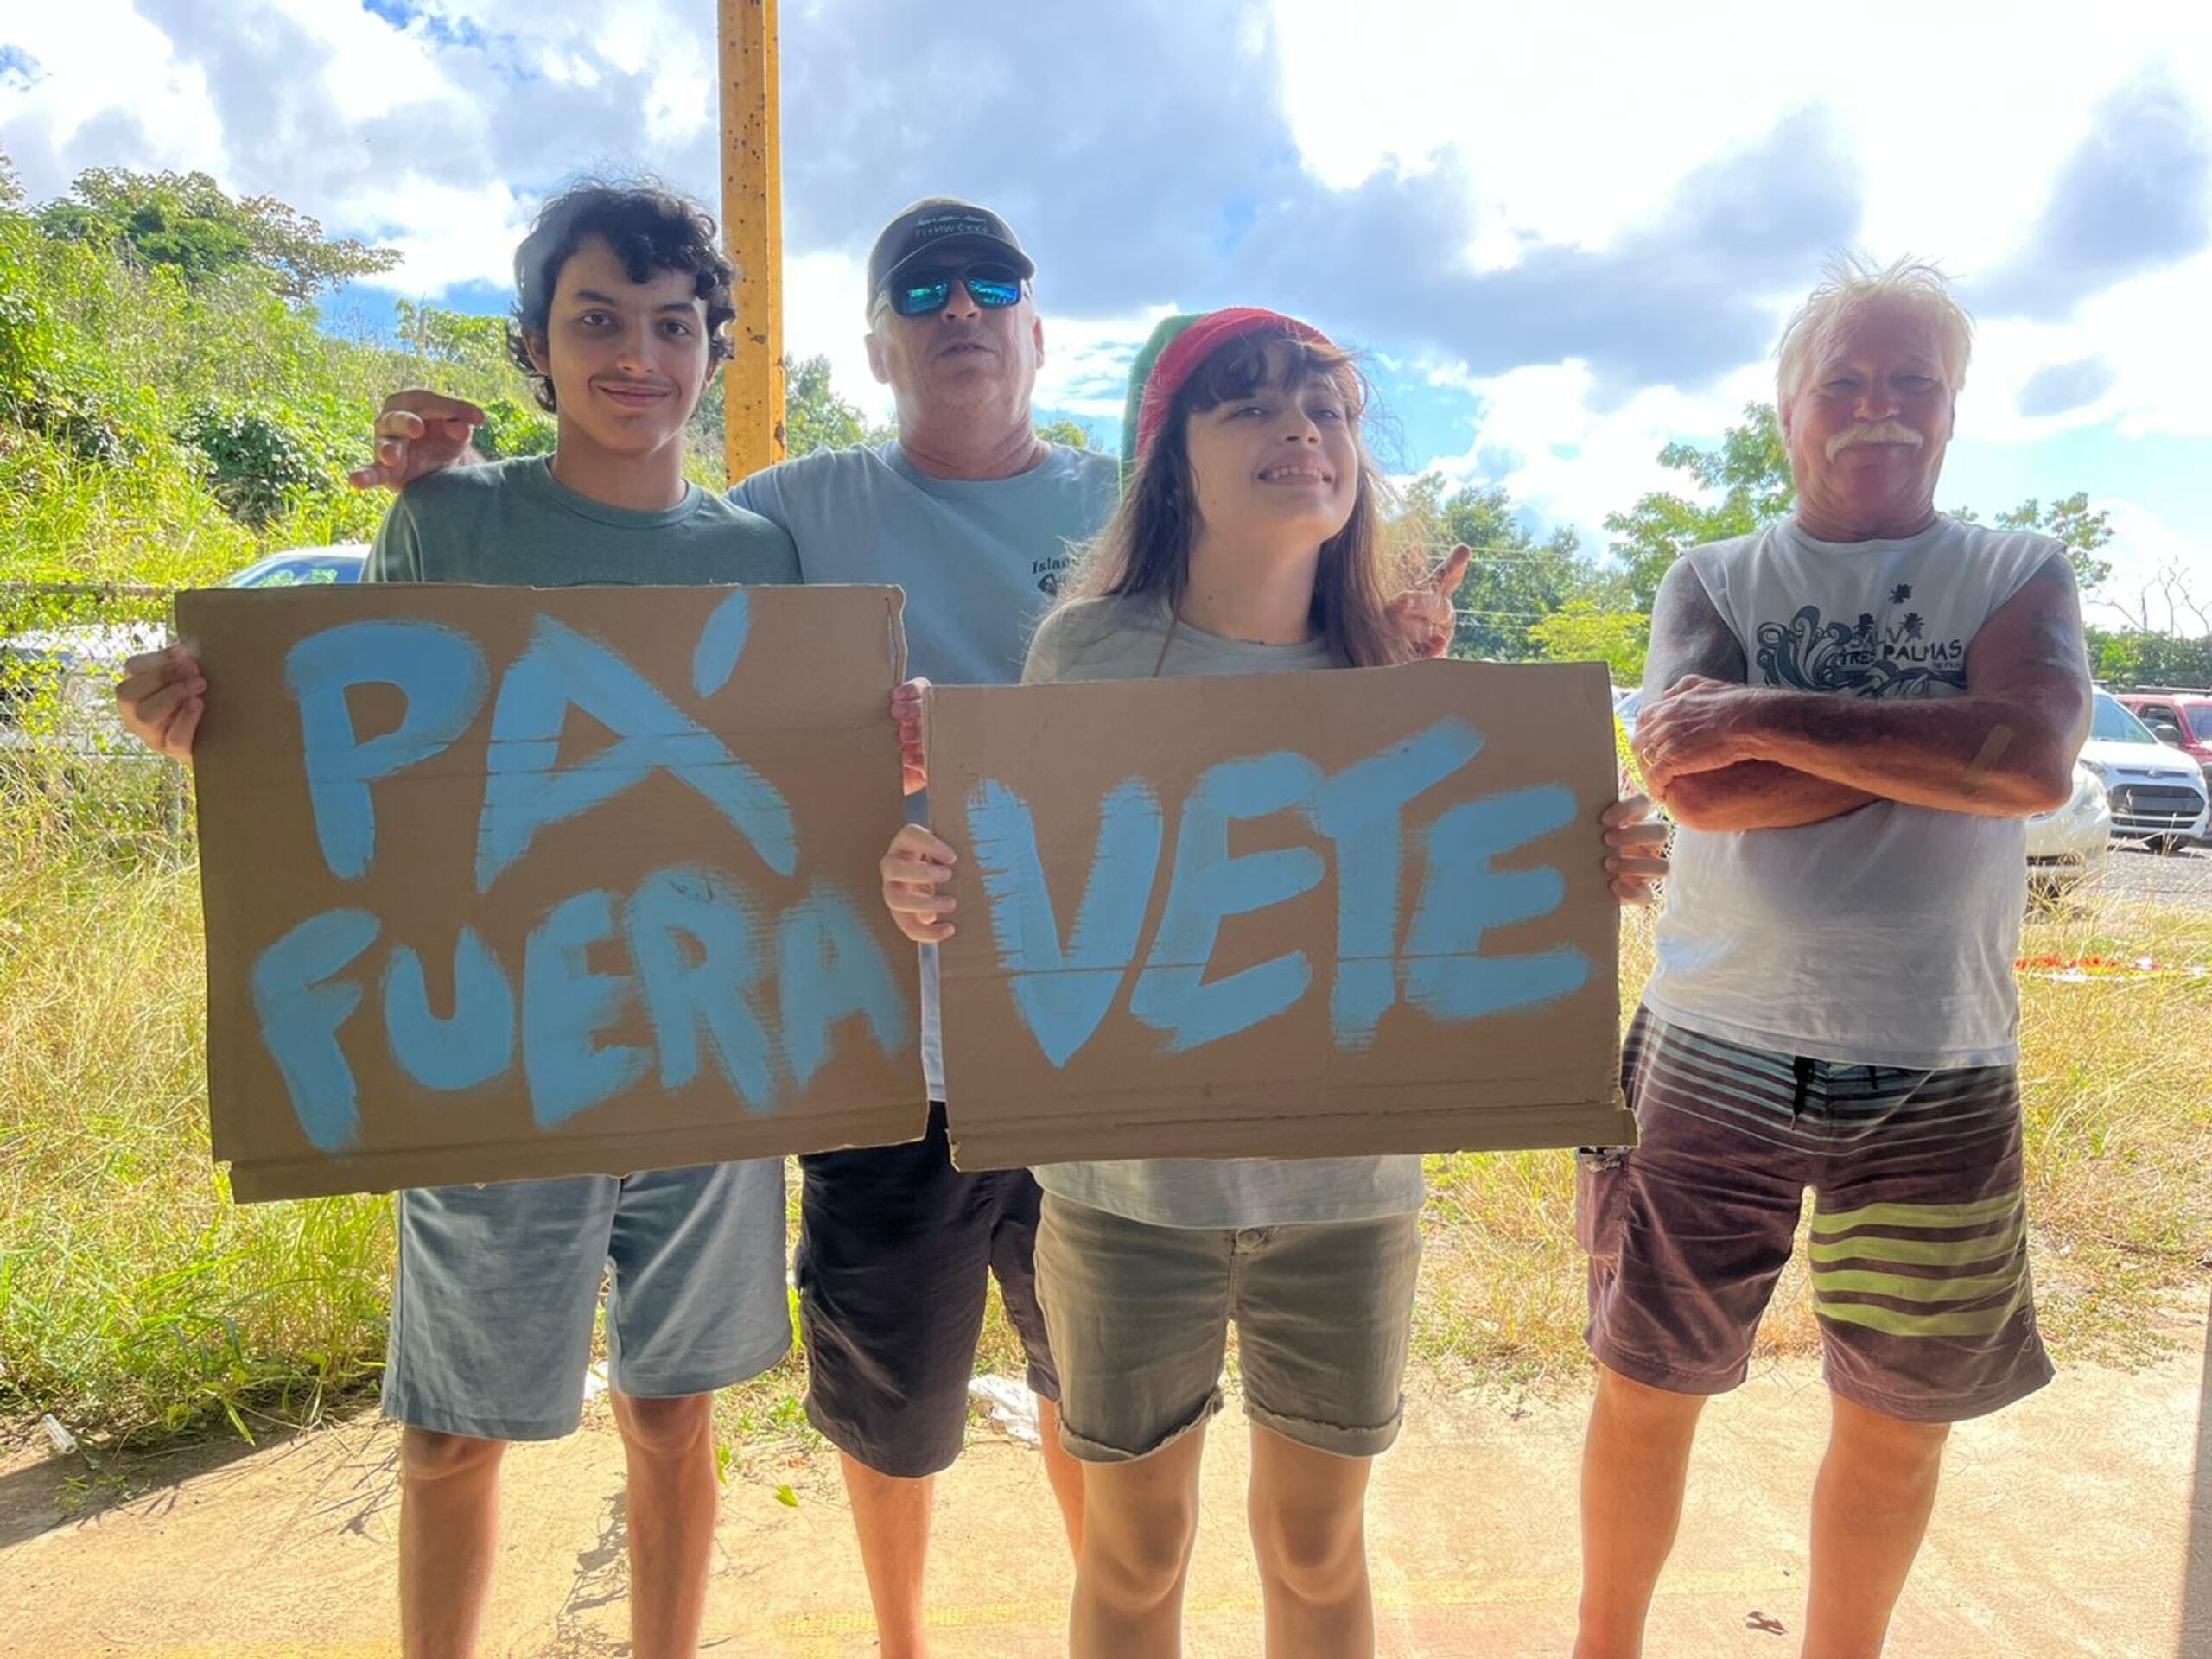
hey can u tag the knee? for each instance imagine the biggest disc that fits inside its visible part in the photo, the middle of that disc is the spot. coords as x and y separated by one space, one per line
426 1456
1313 1556
1878 1442
1136 1552
665 1429
1644 1408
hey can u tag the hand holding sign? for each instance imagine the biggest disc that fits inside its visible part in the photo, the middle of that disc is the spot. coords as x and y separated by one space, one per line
913 757
161 698
915 870
1639 842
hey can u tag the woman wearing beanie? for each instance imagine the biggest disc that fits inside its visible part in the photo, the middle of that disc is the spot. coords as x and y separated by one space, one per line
1248 540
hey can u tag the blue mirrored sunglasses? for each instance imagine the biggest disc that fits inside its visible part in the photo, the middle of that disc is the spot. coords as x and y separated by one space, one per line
921 292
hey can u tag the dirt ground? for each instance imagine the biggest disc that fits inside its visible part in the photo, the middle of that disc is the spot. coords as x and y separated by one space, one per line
2079 1523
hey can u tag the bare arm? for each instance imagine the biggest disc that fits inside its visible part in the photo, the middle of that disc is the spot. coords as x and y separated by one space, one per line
1689 638
2003 750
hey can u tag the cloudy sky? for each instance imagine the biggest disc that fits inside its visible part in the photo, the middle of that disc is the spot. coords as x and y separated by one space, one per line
1565 233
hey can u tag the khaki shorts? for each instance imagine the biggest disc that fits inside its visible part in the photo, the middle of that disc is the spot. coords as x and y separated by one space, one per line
1139 1319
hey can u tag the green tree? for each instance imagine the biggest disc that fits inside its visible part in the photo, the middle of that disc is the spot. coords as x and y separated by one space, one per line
1514 579
458 337
1749 475
2135 657
186 221
1579 632
1073 433
1747 483
2072 522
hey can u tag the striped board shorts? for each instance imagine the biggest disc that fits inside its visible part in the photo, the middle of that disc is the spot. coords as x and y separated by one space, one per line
1919 1242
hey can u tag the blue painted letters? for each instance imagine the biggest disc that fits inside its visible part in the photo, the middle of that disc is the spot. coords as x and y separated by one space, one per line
1062 995
441 673
300 1015
529 790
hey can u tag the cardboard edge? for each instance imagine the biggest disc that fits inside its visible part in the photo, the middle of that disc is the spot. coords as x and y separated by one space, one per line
321 1176
1538 1128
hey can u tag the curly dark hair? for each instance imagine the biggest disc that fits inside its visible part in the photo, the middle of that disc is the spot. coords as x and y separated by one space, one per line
650 228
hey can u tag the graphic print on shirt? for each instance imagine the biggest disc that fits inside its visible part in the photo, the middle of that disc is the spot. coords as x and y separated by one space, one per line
1049 572
1892 657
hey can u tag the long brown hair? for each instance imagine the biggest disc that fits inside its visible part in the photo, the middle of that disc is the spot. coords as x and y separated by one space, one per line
1145 548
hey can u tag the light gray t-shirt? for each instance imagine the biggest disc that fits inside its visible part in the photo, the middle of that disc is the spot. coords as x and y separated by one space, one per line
981 560
1123 640
1886 936
513 522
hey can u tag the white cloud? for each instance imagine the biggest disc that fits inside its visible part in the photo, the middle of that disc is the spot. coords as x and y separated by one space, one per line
1538 434
1560 126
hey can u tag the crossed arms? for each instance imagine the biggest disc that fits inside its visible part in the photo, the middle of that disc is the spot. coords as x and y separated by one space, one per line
1724 756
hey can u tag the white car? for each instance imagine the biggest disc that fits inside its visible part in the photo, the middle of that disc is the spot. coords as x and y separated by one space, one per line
77 664
2072 841
2158 793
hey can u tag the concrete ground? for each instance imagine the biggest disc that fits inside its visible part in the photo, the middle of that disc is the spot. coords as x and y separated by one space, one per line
2079 1523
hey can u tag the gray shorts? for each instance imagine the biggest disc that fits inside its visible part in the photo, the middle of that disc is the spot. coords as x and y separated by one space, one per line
492 1307
1139 1319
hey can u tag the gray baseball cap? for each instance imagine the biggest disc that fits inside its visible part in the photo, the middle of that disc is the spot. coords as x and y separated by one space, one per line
917 234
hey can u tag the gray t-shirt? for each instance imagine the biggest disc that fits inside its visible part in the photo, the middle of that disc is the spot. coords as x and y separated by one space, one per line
513 522
981 560
1122 639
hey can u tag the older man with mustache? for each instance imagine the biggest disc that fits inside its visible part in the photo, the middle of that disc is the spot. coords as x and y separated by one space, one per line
1852 712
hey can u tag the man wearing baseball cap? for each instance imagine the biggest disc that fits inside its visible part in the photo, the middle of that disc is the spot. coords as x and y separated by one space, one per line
976 518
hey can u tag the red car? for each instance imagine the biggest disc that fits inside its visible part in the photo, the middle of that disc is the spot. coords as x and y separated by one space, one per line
2181 718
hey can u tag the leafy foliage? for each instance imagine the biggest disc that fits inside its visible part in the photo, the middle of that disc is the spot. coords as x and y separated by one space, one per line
1514 579
185 220
1749 472
1580 632
2137 657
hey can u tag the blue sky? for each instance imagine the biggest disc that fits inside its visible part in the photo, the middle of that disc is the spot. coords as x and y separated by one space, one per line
1564 235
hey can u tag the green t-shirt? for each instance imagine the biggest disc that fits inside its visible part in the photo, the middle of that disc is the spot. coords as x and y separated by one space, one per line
513 522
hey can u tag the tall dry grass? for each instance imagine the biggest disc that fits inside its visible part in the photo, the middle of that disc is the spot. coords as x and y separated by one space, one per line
135 1299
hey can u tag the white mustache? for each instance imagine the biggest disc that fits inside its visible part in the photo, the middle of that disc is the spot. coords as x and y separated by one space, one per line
1879 432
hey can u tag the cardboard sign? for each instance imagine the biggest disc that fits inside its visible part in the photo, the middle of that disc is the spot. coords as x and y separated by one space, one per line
1279 915
505 882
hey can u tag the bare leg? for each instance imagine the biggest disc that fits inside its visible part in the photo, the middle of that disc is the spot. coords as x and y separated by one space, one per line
1063 1472
1308 1513
891 1514
1870 1511
448 1531
1139 1520
1635 1465
674 1494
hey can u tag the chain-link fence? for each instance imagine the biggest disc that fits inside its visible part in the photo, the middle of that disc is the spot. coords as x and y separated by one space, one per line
72 780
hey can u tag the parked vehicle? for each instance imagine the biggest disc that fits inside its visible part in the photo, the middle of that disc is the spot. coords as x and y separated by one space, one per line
2182 719
2158 794
58 682
2073 841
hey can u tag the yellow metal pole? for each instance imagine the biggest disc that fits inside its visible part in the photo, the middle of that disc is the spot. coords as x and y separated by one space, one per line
752 228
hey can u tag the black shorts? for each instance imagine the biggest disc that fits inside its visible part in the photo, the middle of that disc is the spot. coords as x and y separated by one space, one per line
896 1248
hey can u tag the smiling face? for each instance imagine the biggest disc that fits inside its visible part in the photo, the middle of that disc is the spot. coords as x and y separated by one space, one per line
627 359
963 359
1280 462
1867 428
